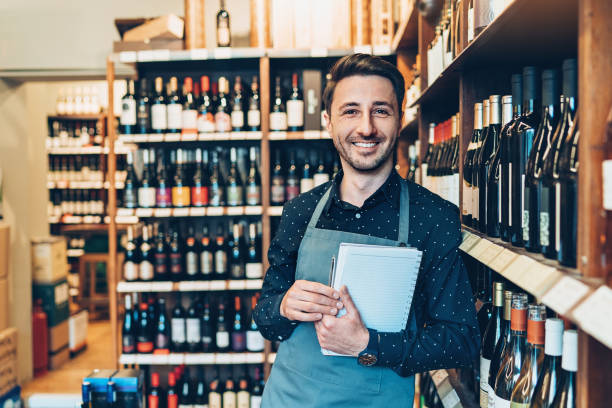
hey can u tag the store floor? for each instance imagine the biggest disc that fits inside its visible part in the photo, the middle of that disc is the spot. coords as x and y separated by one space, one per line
68 378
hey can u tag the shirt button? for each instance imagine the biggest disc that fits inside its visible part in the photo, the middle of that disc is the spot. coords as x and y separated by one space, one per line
357 215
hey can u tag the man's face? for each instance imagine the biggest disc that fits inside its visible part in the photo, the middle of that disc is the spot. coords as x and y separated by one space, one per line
365 121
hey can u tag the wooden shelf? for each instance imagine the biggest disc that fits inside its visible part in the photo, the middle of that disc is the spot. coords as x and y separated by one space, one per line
87 150
193 137
410 130
76 220
192 358
132 216
189 286
77 116
517 37
301 135
76 185
406 35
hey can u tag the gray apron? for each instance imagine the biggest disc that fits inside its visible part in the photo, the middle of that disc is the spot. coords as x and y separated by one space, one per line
303 377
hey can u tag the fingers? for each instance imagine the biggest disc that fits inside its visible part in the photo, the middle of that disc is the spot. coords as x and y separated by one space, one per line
313 307
317 298
317 287
345 297
304 317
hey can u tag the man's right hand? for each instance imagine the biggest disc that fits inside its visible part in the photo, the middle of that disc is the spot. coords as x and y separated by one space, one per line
307 301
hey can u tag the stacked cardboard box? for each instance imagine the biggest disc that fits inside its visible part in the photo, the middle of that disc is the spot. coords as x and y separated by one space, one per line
8 361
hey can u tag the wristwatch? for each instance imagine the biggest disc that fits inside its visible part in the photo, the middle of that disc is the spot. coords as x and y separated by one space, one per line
369 356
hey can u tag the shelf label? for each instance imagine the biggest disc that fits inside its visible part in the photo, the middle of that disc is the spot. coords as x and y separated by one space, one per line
62 184
223 358
126 138
131 219
254 284
565 294
221 136
162 286
274 135
236 285
180 212
198 54
176 358
517 267
593 315
214 211
235 210
197 211
155 137
502 260
469 240
238 358
254 358
200 358
223 53
145 55
538 279
318 52
160 55
162 212
125 212
172 137
144 212
252 135
451 399
439 376
127 57
480 248
193 286
218 285
189 137
252 210
159 359
144 359
139 138
312 134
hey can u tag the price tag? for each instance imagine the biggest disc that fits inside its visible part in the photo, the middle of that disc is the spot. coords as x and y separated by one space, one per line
159 359
121 212
236 285
439 376
237 135
318 52
162 212
198 54
254 358
253 210
132 219
193 286
155 137
140 138
180 212
312 134
252 135
214 211
218 285
538 279
565 294
128 57
127 359
144 212
469 240
189 137
451 399
145 56
271 358
144 359
235 210
223 358
62 184
593 315
222 136
362 49
274 135
253 284
161 55
275 211
126 138
238 358
502 260
172 137
162 286
480 248
176 358
197 211
490 254
223 53
206 136
516 268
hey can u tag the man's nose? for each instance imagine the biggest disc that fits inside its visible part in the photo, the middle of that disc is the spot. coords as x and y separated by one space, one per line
366 126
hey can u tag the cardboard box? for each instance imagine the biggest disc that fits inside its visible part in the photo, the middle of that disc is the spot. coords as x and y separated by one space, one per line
54 300
172 45
5 244
312 84
58 336
4 304
169 27
8 345
8 376
49 259
77 328
59 358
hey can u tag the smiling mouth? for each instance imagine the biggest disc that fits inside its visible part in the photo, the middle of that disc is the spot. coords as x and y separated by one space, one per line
365 144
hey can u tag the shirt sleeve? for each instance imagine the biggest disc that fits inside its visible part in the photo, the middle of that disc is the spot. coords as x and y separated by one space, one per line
282 256
450 336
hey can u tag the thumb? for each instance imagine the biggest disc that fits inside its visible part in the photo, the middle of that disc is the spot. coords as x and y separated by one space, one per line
346 299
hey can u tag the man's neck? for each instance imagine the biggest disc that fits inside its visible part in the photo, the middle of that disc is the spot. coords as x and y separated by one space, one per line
357 186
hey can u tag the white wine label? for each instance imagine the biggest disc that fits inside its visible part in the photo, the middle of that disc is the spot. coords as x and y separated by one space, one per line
229 399
193 330
295 113
254 270
278 121
470 18
485 364
544 225
606 170
206 123
223 339
254 118
146 197
467 199
242 399
254 341
190 119
237 119
525 225
501 402
475 203
130 271
178 329
191 263
223 34
159 117
175 116
128 112
557 217
223 122
146 271
214 400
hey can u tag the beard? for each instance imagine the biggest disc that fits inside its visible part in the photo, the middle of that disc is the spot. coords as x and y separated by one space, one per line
362 164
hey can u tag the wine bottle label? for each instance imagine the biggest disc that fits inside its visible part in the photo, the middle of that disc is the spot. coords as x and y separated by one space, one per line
557 217
237 270
128 112
175 116
254 341
206 122
163 197
181 196
181 405
467 199
206 263
214 400
130 271
295 113
510 198
146 271
193 330
238 341
223 34
525 225
306 184
242 398
485 364
223 339
162 342
142 115
237 119
254 118
320 178
153 401
200 406
172 400
199 196
191 263
255 401
130 199
215 198
144 346
234 195
229 399
253 194
545 217
189 120
292 191
146 197
278 121
160 264
128 344
159 117
222 122
470 19
278 193
254 270
177 327
220 262
519 405
501 402
455 186
175 263
475 203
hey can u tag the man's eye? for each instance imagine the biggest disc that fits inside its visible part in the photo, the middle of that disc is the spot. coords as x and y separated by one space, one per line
382 112
350 112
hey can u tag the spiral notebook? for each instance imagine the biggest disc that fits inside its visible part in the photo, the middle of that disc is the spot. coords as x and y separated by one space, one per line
381 282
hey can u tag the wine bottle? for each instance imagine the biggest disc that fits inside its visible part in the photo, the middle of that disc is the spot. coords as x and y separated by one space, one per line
500 348
453 172
237 115
223 110
86 394
496 170
154 396
238 331
307 181
130 190
144 342
482 153
161 257
176 258
163 192
321 176
550 211
490 338
206 255
468 167
181 194
490 178
566 395
200 399
128 330
146 190
132 261
221 249
143 108
192 254
512 361
222 336
243 396
159 110
127 120
186 397
224 38
199 188
206 118
178 335
485 296
254 339
478 213
172 393
278 181
217 184
257 389
174 107
548 380
253 184
208 330
253 267
234 194
278 115
229 394
193 328
146 268
292 186
523 133
162 329
214 393
189 114
236 258
295 106
254 113
534 357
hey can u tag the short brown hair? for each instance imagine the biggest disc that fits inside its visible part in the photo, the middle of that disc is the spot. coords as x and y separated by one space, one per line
363 64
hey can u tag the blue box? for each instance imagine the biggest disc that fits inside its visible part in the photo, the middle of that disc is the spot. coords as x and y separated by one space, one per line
129 388
99 380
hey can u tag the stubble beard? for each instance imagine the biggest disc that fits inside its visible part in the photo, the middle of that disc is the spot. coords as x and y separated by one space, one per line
364 167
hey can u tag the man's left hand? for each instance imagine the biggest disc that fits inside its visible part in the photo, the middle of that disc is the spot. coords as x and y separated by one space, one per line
346 334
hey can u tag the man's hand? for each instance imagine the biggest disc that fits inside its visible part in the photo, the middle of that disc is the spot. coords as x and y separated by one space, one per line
346 334
307 301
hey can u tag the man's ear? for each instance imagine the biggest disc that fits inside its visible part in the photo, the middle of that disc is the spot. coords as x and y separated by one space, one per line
327 121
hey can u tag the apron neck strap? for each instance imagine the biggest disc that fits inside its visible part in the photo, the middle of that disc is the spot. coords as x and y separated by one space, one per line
404 219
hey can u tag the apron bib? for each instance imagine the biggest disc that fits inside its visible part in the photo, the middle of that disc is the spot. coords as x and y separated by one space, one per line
302 377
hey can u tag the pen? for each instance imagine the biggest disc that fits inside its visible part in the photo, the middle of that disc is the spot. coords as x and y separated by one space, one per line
332 272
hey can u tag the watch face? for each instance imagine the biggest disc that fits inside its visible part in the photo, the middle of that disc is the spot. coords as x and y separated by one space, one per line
367 359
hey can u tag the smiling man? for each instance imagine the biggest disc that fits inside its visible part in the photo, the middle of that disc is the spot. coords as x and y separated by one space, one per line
368 203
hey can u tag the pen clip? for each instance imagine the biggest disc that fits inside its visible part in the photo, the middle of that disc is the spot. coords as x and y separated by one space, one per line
332 272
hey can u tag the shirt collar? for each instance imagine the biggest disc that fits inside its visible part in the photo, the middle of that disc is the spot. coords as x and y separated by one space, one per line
390 191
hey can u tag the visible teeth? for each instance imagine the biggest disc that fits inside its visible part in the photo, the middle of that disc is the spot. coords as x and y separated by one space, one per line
365 144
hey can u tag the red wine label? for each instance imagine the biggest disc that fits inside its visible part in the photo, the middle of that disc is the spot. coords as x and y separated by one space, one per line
292 192
181 196
278 193
175 263
535 331
163 197
144 346
160 264
206 122
199 196
172 401
128 345
153 401
253 194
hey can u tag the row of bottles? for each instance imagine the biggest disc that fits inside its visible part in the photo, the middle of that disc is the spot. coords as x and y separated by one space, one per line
76 202
79 168
78 101
440 167
520 170
234 252
183 178
198 107
206 325
70 133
